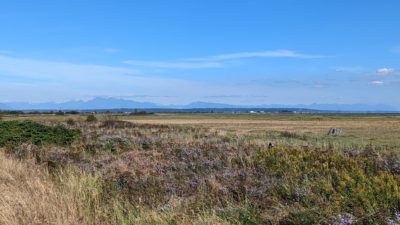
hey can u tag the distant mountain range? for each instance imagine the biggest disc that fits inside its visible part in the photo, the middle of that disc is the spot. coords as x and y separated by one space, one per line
117 103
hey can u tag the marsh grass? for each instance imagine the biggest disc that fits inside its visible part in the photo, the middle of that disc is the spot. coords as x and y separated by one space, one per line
119 172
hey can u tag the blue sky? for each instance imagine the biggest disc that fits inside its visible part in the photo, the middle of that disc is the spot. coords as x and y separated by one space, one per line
179 51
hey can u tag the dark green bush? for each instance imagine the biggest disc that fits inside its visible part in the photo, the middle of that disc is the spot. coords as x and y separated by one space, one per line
13 133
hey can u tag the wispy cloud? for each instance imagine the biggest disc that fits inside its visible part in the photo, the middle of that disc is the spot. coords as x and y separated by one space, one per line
22 79
385 71
50 70
377 77
218 60
261 54
355 69
377 82
174 64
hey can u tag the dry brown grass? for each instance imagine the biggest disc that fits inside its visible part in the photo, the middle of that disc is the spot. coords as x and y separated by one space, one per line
29 197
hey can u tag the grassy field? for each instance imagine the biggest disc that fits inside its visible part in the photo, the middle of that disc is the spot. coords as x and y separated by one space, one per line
382 131
200 169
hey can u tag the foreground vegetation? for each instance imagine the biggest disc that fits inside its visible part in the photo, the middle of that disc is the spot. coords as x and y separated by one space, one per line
109 171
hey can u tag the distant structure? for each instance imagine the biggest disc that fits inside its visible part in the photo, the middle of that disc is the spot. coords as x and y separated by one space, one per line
334 131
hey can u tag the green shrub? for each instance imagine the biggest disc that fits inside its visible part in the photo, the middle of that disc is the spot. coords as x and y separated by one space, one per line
14 133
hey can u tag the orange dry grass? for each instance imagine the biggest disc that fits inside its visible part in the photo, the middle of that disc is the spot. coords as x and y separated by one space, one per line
27 196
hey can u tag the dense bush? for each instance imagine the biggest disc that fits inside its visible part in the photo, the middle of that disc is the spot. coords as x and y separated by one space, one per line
14 133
